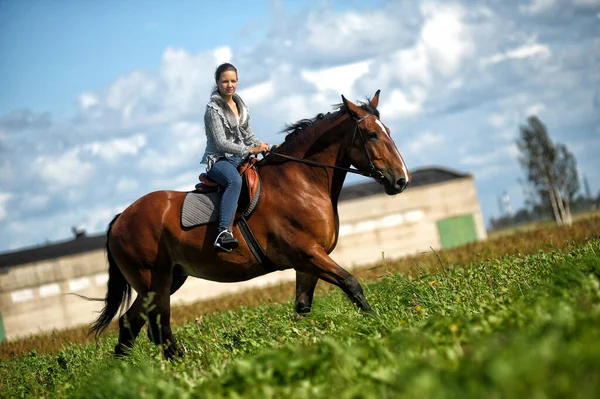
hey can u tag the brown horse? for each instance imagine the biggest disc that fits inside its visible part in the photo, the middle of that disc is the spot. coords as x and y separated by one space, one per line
295 222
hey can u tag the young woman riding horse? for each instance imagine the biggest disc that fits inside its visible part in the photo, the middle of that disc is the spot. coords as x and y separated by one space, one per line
295 222
229 140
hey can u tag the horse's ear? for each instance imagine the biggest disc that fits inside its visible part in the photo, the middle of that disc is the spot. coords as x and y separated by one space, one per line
375 100
352 108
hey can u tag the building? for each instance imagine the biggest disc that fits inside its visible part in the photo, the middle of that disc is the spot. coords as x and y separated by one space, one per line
440 209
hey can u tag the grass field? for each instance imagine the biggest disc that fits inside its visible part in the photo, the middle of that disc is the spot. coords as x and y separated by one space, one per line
532 226
514 317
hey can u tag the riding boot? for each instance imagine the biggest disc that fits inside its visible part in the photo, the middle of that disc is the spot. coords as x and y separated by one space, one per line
226 241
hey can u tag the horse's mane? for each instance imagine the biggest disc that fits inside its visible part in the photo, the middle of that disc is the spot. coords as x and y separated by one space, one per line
295 129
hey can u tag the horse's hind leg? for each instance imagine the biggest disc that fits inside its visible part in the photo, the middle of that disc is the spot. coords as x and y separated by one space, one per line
305 289
179 277
159 316
130 325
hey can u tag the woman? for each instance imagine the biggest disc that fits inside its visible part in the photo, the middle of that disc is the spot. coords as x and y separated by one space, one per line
229 140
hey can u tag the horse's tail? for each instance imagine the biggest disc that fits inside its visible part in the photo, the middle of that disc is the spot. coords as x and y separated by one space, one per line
119 290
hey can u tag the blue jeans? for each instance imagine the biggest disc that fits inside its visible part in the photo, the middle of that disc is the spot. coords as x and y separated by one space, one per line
225 172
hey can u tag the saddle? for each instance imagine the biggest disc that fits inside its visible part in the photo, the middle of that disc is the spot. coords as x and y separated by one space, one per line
250 187
199 207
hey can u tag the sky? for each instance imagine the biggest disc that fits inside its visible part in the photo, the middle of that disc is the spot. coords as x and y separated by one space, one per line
103 102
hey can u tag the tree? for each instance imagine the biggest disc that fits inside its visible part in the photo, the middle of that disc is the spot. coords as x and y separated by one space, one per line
567 178
586 185
551 170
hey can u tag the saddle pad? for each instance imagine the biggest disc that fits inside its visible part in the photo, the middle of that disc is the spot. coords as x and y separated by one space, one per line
200 208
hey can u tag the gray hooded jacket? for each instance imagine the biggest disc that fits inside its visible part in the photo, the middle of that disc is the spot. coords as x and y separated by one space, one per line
226 137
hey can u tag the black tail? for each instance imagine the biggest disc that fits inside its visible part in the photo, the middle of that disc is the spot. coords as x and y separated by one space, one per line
119 291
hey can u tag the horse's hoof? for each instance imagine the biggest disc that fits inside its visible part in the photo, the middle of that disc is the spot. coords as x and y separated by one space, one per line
368 312
300 316
172 351
121 351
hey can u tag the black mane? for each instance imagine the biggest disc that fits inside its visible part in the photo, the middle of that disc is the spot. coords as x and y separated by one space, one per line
295 129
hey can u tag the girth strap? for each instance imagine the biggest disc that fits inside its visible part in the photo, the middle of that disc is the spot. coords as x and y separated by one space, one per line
254 246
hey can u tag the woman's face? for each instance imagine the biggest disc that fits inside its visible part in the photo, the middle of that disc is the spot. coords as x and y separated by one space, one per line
228 83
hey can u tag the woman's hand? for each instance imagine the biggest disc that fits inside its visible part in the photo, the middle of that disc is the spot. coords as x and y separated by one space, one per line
262 147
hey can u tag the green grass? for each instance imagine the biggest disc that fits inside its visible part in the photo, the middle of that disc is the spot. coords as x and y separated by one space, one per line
516 326
553 238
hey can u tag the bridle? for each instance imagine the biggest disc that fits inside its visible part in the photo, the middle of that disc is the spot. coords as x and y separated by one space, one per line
371 170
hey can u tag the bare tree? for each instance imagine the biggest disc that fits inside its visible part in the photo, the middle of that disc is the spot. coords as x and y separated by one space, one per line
551 170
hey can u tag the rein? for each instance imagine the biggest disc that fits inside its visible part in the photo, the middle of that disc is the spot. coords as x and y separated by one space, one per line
373 173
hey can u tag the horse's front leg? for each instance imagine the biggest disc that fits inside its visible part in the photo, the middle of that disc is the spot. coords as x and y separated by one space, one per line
319 264
305 289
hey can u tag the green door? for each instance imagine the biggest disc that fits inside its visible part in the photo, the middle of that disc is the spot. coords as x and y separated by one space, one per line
456 231
2 332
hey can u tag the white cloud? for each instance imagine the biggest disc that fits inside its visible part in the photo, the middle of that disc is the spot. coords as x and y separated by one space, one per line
339 79
87 100
537 6
4 198
535 109
445 36
36 202
497 120
297 106
64 170
127 184
223 54
190 139
525 51
189 77
112 150
431 65
400 105
57 226
130 91
6 171
412 65
186 145
425 141
586 3
186 129
257 94
444 42
500 155
181 86
181 182
331 34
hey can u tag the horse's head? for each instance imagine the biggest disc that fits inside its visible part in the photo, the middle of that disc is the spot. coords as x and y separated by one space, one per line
372 149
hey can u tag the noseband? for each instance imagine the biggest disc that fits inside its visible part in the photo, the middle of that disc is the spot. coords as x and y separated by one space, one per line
371 172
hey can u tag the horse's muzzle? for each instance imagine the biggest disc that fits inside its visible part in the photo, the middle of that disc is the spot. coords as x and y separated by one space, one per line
393 187
401 184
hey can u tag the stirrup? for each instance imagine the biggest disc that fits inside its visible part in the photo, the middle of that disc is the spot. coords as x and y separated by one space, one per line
229 241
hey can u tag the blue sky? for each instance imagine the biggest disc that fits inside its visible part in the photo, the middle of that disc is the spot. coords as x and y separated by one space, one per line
102 102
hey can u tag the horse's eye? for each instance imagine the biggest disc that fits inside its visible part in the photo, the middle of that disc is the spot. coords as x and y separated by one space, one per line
372 135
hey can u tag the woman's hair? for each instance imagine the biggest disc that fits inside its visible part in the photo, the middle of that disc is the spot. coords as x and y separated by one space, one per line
226 66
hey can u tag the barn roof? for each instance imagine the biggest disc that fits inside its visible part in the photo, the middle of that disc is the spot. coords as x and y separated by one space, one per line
82 243
51 251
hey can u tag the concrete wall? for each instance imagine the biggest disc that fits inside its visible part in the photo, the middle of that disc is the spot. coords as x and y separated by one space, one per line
33 297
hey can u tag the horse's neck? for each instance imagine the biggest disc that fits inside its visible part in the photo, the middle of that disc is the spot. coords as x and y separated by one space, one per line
329 148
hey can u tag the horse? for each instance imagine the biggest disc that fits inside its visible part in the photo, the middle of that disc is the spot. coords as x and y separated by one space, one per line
295 222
